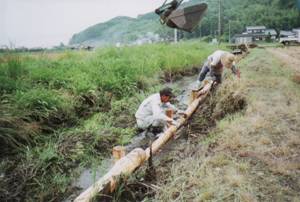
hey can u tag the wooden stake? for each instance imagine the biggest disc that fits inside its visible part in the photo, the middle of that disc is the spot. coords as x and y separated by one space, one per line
169 113
193 96
118 153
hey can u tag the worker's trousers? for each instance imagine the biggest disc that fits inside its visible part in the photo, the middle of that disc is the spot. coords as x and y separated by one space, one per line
150 121
211 76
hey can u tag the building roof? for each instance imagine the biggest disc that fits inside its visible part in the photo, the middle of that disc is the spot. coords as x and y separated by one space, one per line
271 31
256 27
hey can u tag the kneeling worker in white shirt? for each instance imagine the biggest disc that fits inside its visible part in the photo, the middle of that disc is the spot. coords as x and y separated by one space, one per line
152 112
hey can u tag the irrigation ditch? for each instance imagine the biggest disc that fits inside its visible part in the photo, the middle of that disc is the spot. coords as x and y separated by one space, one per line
63 157
141 184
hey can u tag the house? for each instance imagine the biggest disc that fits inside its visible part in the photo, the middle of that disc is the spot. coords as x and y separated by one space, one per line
255 29
255 33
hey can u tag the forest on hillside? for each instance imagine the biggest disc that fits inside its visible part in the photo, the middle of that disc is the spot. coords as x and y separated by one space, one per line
235 16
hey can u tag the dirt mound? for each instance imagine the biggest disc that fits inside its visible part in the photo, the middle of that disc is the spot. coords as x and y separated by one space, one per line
221 103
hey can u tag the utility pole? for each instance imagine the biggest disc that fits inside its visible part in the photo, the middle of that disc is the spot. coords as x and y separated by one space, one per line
229 31
219 24
200 31
175 36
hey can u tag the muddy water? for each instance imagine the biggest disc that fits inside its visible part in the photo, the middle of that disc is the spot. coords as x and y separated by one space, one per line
89 176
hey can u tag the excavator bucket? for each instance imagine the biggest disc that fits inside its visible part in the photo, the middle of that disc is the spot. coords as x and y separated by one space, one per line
187 18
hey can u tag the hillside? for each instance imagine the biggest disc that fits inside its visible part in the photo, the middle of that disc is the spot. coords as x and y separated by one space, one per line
117 30
277 14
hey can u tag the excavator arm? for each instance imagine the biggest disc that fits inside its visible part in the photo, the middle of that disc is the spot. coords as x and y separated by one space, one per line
185 19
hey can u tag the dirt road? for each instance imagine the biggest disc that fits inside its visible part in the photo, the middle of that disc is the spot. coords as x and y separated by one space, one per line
289 56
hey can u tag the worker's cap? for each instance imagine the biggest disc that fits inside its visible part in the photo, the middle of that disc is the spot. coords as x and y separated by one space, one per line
227 59
166 92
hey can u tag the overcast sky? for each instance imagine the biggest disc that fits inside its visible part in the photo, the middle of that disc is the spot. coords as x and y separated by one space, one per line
44 23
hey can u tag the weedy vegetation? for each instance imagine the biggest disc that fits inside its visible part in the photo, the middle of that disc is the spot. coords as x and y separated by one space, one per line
61 112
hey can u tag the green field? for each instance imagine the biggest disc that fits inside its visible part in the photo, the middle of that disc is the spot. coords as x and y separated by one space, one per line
61 112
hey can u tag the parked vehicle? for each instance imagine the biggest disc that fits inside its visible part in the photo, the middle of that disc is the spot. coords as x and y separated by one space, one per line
288 38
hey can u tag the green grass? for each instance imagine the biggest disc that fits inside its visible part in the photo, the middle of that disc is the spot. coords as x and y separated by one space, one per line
63 111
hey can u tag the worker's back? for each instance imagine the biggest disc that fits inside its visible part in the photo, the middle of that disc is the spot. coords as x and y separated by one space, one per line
145 109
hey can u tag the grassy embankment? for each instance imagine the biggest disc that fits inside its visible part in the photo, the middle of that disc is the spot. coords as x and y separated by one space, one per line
63 111
252 155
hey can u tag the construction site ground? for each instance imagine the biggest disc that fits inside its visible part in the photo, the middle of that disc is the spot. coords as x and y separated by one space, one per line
242 144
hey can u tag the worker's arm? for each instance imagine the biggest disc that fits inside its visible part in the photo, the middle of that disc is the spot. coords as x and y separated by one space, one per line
176 110
170 106
235 70
158 113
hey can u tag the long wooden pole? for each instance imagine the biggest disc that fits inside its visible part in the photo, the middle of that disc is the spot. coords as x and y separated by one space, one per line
136 157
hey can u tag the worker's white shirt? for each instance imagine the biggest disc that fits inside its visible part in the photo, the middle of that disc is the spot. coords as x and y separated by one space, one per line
215 58
152 106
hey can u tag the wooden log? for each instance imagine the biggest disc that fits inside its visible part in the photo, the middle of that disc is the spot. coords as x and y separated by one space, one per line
135 158
158 143
118 153
125 165
193 96
169 113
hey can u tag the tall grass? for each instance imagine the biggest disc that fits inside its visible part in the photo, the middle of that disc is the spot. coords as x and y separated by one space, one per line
98 90
39 85
54 87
